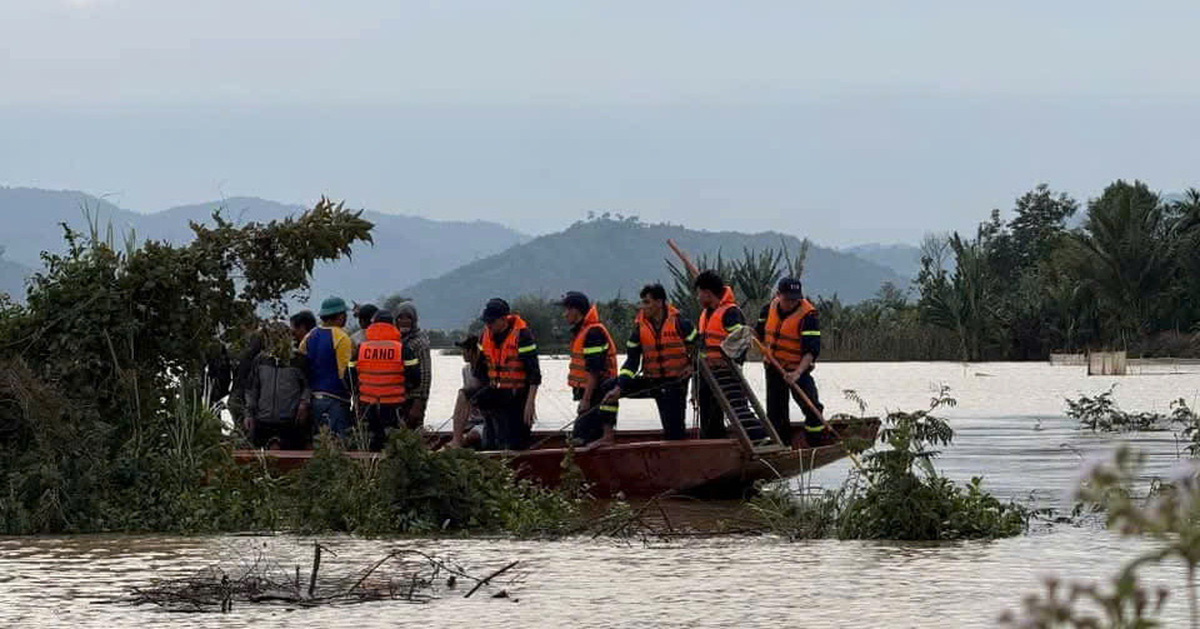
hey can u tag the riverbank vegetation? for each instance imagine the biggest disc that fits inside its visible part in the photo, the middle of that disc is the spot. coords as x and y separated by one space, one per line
897 493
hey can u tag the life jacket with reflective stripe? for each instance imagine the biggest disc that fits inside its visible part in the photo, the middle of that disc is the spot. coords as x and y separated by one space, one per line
505 369
664 352
712 326
381 366
785 334
577 375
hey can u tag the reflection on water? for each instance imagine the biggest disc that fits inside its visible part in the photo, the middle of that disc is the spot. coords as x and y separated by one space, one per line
1010 430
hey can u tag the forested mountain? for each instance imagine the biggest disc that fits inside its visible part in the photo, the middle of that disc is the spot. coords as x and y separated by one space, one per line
606 258
407 248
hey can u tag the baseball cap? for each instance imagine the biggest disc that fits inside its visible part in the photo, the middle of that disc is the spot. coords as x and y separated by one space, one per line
576 300
496 308
791 288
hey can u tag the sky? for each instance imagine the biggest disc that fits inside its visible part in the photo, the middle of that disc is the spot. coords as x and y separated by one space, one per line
846 122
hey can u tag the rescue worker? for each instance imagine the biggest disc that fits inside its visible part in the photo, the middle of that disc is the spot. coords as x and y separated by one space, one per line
387 370
661 347
720 316
509 400
593 364
789 327
327 352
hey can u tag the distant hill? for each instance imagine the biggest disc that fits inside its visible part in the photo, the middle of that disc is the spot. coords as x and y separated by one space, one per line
12 278
905 260
407 248
605 258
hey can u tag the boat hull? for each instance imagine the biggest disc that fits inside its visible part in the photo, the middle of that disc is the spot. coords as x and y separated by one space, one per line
641 464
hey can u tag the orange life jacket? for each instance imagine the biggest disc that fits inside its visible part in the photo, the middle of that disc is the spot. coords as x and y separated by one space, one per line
577 375
785 335
505 369
664 353
712 325
381 366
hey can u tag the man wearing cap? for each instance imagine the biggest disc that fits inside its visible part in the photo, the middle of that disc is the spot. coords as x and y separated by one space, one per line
593 363
327 351
790 329
513 375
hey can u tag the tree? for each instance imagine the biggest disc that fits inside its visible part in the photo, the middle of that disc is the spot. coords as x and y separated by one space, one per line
1125 257
1039 226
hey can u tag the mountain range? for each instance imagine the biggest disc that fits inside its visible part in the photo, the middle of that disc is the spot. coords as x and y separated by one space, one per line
449 267
607 258
407 249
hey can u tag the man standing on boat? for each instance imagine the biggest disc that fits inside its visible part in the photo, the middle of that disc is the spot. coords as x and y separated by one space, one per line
661 346
790 329
593 363
418 340
327 352
389 370
509 401
720 316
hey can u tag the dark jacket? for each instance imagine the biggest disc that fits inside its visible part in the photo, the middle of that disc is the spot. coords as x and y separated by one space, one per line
274 391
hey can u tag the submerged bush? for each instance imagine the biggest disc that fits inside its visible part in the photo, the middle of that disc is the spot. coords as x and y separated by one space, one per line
1169 515
896 494
1100 413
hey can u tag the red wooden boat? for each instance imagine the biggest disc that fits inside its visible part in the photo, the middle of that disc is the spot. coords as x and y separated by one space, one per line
641 464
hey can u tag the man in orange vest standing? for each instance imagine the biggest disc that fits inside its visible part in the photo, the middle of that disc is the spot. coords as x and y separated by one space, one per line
593 363
790 329
661 346
720 316
387 370
509 400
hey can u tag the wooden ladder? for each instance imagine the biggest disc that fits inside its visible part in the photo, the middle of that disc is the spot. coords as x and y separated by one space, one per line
743 412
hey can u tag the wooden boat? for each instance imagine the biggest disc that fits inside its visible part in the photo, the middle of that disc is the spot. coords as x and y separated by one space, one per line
641 464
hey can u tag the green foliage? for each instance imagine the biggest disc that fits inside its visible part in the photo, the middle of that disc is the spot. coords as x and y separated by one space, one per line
415 490
905 497
1170 516
1100 413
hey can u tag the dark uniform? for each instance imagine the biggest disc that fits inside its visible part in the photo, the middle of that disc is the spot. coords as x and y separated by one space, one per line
790 336
662 353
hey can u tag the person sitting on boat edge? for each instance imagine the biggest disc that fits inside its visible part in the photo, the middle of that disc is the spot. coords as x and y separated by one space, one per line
509 401
407 321
468 420
720 316
327 353
661 346
593 364
387 370
790 329
277 396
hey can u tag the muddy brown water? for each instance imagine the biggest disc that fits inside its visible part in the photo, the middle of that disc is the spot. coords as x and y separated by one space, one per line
1010 430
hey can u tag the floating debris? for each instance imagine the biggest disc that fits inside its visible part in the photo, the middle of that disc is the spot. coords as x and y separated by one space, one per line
404 575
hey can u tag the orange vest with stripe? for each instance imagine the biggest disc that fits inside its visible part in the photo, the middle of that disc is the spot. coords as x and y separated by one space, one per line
577 375
713 326
664 353
381 366
505 369
785 335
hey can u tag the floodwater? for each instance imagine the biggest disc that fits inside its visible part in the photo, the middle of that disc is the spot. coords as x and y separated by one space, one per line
1010 429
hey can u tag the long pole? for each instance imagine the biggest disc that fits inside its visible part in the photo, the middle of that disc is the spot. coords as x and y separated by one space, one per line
770 358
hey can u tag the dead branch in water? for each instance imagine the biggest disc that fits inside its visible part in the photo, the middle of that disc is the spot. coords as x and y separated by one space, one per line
404 575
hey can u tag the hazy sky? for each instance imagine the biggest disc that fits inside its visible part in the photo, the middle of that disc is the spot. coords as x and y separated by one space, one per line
842 121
